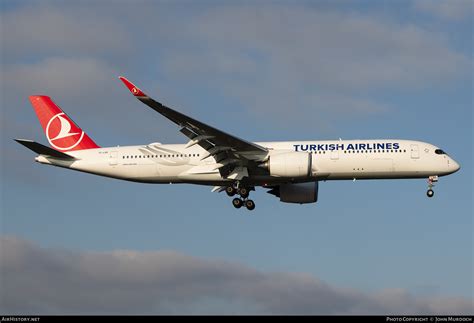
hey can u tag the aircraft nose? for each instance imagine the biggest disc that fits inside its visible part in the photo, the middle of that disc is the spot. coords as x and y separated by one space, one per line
455 165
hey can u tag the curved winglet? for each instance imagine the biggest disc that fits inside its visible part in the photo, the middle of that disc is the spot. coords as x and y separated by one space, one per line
132 87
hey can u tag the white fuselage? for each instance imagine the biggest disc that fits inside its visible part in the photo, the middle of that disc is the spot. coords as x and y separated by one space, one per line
331 160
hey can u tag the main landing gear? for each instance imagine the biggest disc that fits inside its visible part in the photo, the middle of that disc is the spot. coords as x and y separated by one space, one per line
431 181
243 200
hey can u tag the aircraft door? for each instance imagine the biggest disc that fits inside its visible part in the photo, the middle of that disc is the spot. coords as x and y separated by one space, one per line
415 154
113 157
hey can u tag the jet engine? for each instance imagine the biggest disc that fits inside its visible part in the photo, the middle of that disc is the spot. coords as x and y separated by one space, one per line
289 164
297 193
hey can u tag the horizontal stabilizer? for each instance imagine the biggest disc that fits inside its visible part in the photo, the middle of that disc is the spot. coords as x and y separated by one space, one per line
43 150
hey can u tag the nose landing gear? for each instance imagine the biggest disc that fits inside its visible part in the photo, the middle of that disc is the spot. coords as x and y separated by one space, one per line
430 193
431 181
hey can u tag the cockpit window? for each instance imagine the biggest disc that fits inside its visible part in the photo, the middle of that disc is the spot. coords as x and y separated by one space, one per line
440 152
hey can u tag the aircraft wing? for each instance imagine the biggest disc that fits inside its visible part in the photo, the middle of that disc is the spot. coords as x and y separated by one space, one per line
229 151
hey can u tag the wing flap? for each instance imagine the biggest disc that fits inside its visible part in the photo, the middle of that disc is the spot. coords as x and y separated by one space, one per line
202 169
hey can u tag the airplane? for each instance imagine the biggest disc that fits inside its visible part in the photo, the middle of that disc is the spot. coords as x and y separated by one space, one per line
290 170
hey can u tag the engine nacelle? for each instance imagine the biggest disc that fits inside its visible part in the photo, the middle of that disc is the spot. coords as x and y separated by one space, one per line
297 193
290 164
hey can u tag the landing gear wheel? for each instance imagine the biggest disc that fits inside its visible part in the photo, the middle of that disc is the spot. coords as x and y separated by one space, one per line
237 203
430 193
230 190
244 192
250 205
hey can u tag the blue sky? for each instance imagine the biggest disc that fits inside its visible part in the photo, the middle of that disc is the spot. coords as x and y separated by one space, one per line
262 71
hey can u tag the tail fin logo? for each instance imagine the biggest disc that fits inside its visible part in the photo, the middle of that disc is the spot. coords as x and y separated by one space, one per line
61 134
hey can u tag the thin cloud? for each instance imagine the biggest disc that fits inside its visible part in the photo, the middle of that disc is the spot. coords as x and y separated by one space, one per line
299 57
328 49
449 10
71 77
48 29
265 57
46 281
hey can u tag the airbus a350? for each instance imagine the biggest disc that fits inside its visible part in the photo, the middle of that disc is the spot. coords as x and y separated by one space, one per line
290 170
